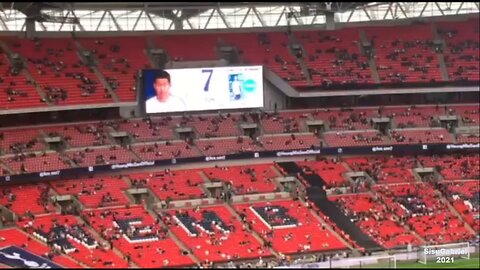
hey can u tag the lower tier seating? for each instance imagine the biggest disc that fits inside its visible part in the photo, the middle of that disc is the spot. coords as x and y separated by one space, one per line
138 236
289 226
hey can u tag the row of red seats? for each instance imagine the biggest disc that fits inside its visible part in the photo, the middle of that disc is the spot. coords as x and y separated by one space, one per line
454 167
184 184
155 251
374 218
16 237
463 53
463 195
54 64
92 256
414 205
401 55
424 212
96 133
383 169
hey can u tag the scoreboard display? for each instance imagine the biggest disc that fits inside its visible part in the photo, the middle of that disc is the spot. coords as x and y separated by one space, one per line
201 89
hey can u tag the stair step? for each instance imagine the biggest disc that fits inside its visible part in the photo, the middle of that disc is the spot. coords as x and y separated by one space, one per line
318 196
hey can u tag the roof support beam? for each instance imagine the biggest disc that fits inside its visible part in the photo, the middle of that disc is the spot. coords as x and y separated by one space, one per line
439 8
115 21
223 17
44 28
423 10
101 20
298 20
78 21
459 7
368 15
63 23
281 15
137 20
402 10
209 18
351 15
245 17
151 20
388 10
175 20
314 18
4 24
259 16
190 24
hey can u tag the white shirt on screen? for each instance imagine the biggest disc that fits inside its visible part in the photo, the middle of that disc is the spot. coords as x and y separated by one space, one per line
236 88
173 104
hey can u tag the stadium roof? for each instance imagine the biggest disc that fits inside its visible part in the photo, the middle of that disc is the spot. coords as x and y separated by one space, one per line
31 6
142 16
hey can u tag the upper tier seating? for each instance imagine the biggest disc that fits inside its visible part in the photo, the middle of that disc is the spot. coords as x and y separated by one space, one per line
403 55
462 56
16 91
269 49
178 47
334 57
55 65
119 60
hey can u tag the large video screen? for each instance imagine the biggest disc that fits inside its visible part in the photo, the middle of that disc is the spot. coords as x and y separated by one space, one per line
199 89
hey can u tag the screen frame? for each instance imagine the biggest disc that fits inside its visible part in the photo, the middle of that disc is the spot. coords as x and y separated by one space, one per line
142 93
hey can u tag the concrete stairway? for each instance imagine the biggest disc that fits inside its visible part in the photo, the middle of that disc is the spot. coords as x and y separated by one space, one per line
101 78
440 56
371 61
26 73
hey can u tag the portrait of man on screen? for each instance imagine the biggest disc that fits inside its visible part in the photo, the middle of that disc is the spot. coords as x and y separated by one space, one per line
164 100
